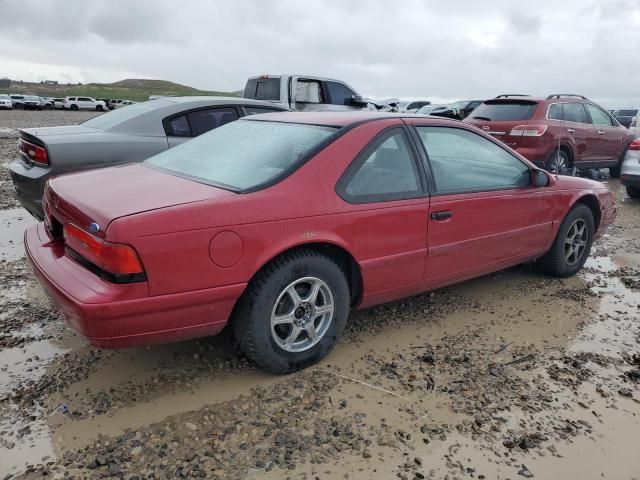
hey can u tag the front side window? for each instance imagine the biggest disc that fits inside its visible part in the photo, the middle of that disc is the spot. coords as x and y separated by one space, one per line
384 171
462 161
339 93
575 112
598 116
242 155
202 121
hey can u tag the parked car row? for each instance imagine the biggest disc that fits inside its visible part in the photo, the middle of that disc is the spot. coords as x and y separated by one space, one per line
33 102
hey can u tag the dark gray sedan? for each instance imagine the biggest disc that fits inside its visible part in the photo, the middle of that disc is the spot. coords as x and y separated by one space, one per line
129 134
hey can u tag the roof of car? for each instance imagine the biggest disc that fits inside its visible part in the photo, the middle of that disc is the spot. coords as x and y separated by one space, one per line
210 99
336 119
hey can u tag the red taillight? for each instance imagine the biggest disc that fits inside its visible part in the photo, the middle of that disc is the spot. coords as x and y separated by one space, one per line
635 145
35 153
114 258
528 131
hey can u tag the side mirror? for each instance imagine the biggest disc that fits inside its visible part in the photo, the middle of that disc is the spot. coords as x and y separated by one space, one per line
357 101
541 178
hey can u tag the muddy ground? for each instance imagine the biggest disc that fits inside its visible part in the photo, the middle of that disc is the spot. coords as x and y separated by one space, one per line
514 375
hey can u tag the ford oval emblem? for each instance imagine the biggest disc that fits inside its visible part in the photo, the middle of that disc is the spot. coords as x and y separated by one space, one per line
94 227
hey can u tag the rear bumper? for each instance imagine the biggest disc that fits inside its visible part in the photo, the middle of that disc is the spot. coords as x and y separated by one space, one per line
28 185
117 315
537 156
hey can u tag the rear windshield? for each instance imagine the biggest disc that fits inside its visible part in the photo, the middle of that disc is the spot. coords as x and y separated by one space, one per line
242 155
627 113
504 111
263 88
114 117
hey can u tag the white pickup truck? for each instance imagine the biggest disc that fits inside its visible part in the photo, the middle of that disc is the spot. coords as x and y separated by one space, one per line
305 93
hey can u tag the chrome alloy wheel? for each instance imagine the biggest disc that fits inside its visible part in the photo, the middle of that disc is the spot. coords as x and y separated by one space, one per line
575 243
302 314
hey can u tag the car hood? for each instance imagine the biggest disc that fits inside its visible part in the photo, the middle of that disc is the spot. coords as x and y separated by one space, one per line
66 130
104 195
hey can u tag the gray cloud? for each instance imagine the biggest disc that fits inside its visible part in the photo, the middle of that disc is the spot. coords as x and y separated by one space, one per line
412 48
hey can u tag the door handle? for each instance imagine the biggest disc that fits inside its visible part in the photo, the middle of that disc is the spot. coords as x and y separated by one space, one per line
571 130
441 215
600 132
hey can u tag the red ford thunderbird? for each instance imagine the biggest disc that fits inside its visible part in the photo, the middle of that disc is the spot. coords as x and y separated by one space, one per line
279 224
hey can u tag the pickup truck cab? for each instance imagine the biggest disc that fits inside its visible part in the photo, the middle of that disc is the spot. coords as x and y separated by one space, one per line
305 93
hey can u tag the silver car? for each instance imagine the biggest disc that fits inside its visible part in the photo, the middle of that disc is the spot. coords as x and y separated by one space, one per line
630 171
5 102
125 135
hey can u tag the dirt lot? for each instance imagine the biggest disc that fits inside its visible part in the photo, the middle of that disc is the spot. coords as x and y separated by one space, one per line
509 376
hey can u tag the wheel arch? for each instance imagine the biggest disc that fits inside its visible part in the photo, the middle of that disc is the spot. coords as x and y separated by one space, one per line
333 250
566 147
591 201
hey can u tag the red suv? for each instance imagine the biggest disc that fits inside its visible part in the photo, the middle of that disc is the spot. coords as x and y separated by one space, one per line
560 131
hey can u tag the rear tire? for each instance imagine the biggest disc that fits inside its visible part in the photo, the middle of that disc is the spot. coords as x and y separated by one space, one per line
559 160
73 107
572 244
99 108
271 324
633 192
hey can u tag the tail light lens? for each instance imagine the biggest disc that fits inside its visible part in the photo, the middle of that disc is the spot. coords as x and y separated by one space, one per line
33 152
119 262
635 145
528 131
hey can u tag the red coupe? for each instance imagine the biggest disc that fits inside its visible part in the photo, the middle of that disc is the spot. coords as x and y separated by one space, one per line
279 224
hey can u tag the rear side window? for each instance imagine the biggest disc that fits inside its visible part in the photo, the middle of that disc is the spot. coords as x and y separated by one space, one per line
263 89
555 112
384 171
309 91
339 93
575 112
598 116
462 161
202 121
179 127
504 111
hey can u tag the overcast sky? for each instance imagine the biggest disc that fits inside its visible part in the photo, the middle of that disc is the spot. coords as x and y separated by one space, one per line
404 48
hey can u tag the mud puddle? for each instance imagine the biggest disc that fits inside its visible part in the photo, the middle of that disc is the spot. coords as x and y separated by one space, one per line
13 223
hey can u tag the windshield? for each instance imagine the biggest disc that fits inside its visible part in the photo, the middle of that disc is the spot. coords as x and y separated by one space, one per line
31 97
115 117
505 111
244 154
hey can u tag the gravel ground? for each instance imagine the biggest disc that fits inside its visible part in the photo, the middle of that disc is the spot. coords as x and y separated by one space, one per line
507 376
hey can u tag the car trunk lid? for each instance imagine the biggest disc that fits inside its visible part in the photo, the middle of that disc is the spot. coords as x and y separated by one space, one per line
101 196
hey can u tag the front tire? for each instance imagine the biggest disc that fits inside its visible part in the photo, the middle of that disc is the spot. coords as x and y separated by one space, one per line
633 192
293 311
74 108
572 244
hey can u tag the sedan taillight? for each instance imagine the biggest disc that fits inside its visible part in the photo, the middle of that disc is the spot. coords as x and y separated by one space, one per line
35 153
528 131
118 261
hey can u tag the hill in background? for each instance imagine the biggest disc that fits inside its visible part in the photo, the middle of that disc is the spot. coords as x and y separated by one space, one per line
130 89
